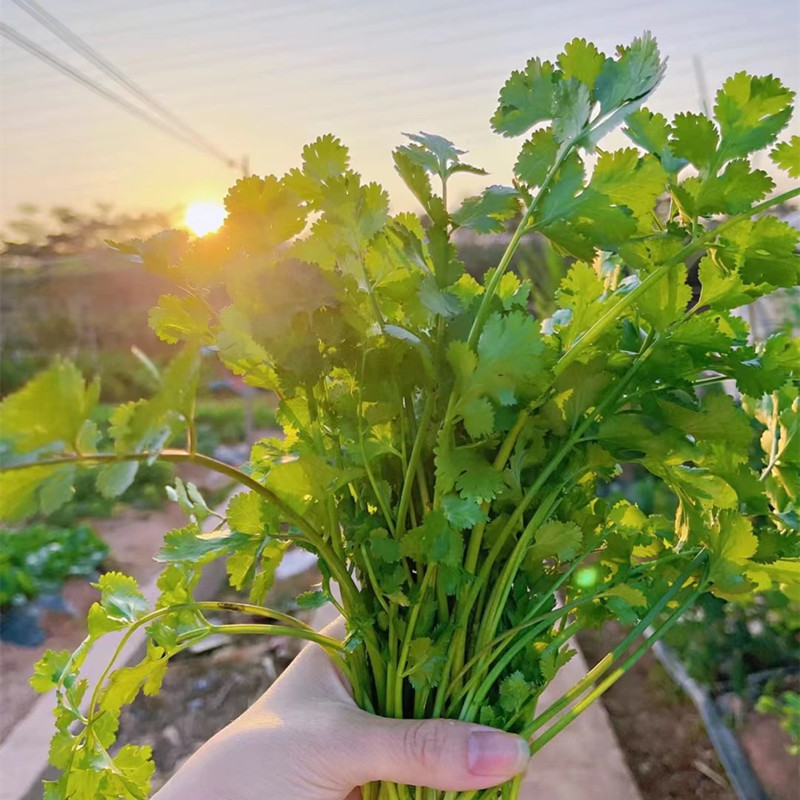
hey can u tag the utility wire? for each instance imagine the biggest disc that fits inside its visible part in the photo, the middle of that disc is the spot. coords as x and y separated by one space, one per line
34 49
58 28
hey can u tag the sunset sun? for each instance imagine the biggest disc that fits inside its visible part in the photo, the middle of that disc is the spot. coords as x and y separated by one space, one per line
202 218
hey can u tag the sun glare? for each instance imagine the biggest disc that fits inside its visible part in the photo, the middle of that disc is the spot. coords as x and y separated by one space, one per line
203 218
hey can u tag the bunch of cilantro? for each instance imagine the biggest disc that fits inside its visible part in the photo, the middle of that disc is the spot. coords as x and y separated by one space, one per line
445 453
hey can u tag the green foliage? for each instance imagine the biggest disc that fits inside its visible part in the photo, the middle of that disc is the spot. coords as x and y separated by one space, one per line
787 708
39 558
446 454
722 643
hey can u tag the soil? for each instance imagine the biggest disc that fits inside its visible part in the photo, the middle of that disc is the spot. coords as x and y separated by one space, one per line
658 728
765 745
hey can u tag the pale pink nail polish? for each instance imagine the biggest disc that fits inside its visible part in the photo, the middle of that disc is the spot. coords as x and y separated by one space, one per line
493 753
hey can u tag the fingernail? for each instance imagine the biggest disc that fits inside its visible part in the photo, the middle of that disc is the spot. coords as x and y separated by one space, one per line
492 753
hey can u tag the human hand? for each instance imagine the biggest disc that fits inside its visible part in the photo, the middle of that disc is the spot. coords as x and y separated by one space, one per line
306 739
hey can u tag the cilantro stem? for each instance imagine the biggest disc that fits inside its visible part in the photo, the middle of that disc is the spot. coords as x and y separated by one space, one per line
180 456
310 533
430 574
279 630
413 461
494 283
503 586
700 560
774 429
608 682
495 648
379 498
376 587
298 628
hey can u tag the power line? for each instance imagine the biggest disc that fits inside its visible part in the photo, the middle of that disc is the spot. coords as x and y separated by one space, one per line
58 28
34 49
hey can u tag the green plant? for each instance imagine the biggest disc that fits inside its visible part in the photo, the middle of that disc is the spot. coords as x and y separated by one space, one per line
444 450
787 708
222 421
146 492
722 644
38 558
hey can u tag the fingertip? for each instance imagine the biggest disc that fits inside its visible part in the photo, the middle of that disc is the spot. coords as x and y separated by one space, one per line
495 754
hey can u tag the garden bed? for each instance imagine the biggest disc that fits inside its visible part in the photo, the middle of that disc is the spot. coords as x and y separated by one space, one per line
658 728
665 740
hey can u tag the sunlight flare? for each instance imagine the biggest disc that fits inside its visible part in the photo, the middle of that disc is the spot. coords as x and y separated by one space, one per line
204 217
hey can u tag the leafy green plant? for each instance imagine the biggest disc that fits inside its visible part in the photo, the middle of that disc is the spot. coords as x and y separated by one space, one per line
146 492
787 708
39 558
222 421
445 452
722 644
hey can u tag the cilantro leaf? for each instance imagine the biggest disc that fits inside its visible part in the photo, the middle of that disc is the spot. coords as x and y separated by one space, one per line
49 670
787 156
120 597
49 410
426 662
581 60
114 479
35 489
571 108
555 539
751 112
634 74
463 512
192 545
510 358
695 138
536 157
514 692
488 212
525 99
248 513
180 318
325 158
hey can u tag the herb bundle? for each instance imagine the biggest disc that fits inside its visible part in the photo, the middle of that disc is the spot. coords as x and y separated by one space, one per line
445 453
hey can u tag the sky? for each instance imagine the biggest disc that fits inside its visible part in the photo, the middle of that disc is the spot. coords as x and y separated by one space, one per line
260 78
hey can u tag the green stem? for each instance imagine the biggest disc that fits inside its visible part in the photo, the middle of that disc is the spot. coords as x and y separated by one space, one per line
293 627
774 429
606 684
413 461
475 692
491 289
180 457
310 533
607 662
430 574
495 648
278 630
501 590
376 588
387 516
503 587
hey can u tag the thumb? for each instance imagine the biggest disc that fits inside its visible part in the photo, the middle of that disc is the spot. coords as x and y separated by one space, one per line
435 753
